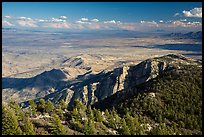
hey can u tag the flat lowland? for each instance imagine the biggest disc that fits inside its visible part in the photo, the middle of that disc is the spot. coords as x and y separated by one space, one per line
26 53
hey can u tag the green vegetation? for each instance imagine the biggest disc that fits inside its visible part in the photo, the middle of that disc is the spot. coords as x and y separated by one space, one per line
171 102
57 127
167 105
10 125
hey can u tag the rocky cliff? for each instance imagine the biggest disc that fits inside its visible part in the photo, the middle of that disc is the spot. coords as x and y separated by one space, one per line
100 86
94 87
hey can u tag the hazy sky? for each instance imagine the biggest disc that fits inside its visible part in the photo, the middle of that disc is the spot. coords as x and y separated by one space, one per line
136 16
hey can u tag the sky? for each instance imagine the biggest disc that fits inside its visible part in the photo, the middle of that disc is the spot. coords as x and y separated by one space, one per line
134 16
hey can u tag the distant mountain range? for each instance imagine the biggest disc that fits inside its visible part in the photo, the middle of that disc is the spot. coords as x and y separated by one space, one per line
121 33
9 29
189 35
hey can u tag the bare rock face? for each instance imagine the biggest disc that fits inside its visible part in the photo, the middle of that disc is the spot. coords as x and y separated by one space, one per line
120 80
92 88
129 76
106 84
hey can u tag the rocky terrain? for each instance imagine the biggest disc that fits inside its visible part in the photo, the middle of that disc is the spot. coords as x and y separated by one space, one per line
158 96
89 88
91 67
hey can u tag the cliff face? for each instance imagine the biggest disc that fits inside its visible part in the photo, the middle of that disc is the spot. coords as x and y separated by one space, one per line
101 86
92 88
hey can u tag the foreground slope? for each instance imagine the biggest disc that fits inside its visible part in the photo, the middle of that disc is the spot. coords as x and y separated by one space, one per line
173 98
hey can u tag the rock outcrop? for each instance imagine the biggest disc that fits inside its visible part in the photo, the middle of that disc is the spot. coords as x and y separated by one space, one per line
94 87
98 87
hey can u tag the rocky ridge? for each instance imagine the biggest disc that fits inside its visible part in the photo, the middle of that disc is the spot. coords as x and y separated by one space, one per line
94 87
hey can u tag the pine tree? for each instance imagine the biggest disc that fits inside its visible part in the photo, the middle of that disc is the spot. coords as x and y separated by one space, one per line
33 107
57 127
49 106
125 128
41 106
17 109
75 114
63 105
59 111
107 113
132 126
99 117
28 127
86 127
80 109
116 118
111 121
136 125
10 124
89 113
89 127
141 130
78 104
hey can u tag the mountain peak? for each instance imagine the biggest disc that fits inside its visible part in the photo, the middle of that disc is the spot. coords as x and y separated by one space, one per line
57 74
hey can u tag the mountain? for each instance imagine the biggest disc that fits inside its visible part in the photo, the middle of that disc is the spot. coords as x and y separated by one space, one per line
173 98
9 29
189 35
23 89
55 85
182 72
159 96
94 87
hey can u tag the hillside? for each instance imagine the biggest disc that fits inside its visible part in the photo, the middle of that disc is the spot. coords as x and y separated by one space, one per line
173 98
89 88
170 103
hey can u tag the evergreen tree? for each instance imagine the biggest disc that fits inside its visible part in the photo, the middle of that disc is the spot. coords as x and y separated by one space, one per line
79 110
28 128
41 106
17 109
89 127
86 127
59 111
78 104
75 114
10 124
49 106
89 113
33 107
116 118
63 105
125 128
111 121
132 126
99 117
107 113
57 127
135 129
